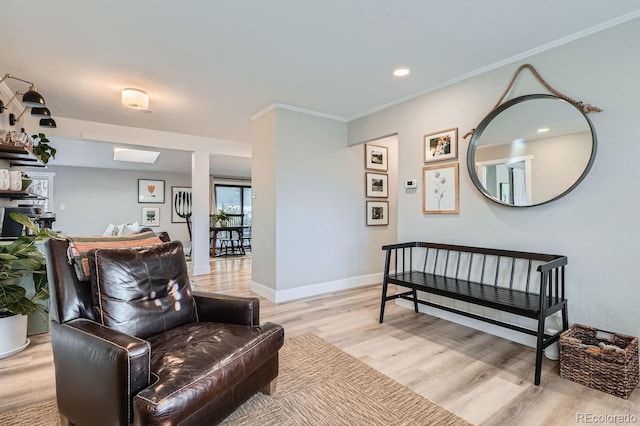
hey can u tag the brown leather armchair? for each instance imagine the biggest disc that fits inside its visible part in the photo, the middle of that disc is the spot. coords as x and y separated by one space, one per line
191 369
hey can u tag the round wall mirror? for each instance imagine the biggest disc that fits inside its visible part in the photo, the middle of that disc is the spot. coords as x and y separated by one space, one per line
531 150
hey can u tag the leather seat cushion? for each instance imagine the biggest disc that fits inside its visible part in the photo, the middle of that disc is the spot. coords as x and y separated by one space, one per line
142 292
195 363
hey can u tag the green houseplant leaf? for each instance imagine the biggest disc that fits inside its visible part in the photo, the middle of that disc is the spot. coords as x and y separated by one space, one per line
42 149
20 259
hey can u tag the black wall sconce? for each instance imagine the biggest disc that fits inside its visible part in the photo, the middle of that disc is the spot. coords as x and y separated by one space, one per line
33 100
42 112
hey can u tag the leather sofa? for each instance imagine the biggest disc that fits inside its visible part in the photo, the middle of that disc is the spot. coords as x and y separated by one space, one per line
191 369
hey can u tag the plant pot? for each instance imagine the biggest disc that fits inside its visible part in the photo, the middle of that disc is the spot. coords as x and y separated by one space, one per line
13 335
26 183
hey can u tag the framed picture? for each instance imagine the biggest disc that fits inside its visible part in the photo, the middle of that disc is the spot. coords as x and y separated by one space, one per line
181 203
375 157
441 146
150 191
377 213
150 216
440 183
377 185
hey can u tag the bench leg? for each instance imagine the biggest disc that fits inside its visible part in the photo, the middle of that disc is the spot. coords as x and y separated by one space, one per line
384 299
565 317
415 301
539 348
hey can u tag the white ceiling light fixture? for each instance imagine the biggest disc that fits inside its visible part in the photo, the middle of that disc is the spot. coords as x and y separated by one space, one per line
543 130
401 72
135 98
135 155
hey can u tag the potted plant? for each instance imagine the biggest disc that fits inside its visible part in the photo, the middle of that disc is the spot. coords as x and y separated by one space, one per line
221 217
19 260
42 149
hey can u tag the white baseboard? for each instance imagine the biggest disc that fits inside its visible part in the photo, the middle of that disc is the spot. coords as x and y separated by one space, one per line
286 295
485 327
201 269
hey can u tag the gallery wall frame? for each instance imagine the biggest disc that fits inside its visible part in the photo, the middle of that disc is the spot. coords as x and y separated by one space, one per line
181 203
375 157
151 191
440 189
150 216
440 146
377 213
377 185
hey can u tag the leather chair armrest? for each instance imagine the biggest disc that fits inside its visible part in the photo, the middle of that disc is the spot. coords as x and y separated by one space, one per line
98 370
213 307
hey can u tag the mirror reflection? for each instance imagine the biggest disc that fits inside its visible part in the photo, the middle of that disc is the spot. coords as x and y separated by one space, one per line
531 150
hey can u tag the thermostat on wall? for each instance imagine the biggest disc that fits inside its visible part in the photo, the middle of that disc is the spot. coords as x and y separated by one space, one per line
411 184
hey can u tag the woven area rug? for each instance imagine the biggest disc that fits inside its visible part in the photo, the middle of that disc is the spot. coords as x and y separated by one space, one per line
318 384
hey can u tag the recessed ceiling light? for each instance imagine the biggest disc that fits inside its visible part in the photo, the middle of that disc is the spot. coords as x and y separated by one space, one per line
543 129
401 72
135 155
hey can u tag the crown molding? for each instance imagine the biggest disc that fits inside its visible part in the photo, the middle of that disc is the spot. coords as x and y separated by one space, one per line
297 109
526 54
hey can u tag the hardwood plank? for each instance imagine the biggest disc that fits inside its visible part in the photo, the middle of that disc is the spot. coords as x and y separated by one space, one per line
482 378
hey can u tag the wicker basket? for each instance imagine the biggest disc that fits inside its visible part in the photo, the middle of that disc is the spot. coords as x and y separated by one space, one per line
608 369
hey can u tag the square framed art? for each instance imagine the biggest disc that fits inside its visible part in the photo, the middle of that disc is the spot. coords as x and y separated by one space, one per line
377 213
377 185
440 183
375 157
441 145
150 216
150 191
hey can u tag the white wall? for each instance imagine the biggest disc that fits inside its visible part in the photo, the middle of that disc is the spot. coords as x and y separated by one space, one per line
94 198
263 175
321 239
595 225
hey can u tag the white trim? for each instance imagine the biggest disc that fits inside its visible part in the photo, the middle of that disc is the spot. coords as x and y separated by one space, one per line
297 109
201 269
526 54
480 170
280 296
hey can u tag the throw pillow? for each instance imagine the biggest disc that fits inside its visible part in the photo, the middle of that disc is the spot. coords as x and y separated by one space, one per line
142 292
109 231
129 228
80 246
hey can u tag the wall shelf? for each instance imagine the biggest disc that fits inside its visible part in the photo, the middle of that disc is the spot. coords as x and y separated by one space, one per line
20 195
18 156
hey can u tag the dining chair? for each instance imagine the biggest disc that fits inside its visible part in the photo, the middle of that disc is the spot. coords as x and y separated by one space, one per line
246 238
231 240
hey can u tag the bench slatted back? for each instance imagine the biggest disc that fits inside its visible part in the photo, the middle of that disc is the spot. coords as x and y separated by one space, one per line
500 268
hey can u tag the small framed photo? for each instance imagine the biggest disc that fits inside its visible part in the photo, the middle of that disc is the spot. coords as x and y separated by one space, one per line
440 183
441 146
181 203
377 213
150 216
377 185
375 157
150 191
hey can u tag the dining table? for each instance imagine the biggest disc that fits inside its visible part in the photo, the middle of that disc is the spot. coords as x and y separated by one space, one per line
237 230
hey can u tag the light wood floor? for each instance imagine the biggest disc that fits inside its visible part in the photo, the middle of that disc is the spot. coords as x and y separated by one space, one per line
482 378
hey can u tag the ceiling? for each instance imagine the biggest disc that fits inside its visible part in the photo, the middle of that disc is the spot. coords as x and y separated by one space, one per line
209 66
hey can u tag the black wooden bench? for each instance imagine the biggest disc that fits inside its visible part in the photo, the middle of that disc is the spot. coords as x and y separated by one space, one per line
498 279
